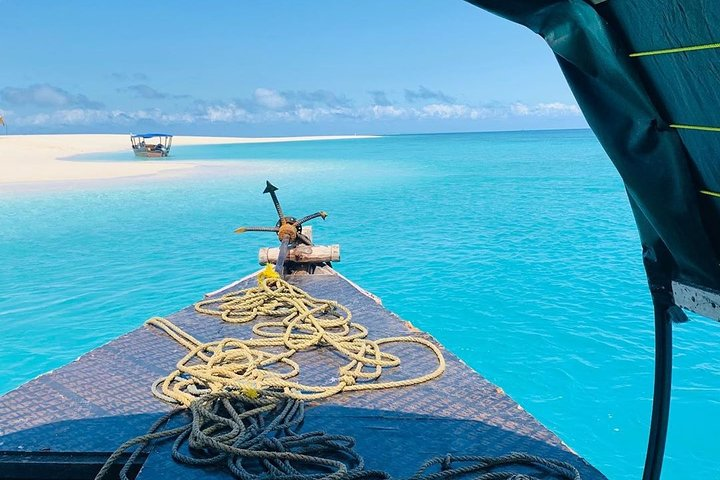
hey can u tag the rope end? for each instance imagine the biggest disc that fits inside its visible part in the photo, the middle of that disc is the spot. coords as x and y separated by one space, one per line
250 392
267 273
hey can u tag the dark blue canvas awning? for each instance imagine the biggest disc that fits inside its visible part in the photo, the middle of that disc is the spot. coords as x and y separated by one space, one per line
646 75
634 105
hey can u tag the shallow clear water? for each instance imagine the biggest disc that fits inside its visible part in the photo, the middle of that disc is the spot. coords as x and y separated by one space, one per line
516 250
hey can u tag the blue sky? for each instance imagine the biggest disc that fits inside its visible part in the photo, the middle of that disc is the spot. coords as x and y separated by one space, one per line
274 68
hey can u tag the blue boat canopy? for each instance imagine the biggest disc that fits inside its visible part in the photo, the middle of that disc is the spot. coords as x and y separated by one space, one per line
150 135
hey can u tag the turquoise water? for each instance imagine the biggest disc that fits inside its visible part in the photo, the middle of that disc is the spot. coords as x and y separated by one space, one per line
517 250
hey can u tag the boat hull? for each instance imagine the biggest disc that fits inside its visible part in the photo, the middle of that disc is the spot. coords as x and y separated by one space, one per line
146 154
102 399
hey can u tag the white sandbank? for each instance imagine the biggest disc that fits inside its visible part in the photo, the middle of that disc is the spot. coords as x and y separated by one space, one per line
30 159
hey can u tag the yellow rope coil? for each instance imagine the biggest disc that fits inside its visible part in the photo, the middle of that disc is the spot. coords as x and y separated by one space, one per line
266 362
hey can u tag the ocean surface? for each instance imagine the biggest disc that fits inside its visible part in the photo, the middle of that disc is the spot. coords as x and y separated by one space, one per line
516 250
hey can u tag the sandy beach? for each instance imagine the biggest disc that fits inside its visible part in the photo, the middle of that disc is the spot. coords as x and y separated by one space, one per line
34 159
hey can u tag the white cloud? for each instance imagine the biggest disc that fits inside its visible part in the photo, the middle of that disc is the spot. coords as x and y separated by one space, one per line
268 98
309 114
424 93
157 115
81 116
315 98
454 110
459 111
142 90
226 113
444 110
266 105
45 95
554 109
379 97
73 116
387 111
520 109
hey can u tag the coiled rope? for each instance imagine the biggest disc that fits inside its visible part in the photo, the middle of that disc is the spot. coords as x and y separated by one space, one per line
487 467
303 323
244 407
255 439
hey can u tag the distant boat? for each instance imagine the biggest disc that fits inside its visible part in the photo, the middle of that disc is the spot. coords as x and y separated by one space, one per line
151 144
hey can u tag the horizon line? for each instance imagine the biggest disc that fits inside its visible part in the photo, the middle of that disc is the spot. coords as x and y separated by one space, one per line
367 134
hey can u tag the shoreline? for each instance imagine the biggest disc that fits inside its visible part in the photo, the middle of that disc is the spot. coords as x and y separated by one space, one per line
28 162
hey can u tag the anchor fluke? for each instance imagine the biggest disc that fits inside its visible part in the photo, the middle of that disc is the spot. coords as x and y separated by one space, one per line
269 187
256 229
321 214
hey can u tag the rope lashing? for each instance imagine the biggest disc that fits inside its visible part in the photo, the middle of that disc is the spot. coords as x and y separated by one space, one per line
254 439
666 51
267 362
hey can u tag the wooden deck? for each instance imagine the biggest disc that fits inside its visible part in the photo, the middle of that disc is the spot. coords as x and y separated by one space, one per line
64 424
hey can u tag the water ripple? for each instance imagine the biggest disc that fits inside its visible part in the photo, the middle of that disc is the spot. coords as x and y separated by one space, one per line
518 251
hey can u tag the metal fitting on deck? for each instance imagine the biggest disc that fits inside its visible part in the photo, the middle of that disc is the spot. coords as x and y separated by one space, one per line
289 230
